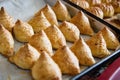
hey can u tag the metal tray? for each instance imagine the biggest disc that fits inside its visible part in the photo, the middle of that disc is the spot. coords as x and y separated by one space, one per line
95 70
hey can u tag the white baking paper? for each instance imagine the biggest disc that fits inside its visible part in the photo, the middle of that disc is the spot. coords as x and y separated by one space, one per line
23 10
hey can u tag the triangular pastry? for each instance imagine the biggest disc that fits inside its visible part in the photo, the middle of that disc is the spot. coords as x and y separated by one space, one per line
56 36
107 9
106 1
46 69
22 31
49 14
96 11
6 20
84 4
67 61
83 52
98 46
82 22
25 57
39 22
70 31
61 11
6 42
93 2
116 6
41 42
111 40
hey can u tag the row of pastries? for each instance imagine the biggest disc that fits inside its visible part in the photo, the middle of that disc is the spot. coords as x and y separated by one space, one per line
100 8
42 33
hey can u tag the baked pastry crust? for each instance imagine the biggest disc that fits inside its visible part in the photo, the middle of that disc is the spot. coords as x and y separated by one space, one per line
70 31
107 9
46 69
96 11
49 14
84 4
41 42
83 52
116 6
93 2
56 36
61 11
106 1
98 46
39 22
82 22
25 57
111 40
6 20
22 31
6 42
67 61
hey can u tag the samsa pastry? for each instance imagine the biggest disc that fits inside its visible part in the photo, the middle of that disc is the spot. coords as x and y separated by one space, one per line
70 31
39 22
83 52
98 46
46 69
41 42
61 11
93 2
116 6
49 14
106 1
84 4
56 36
67 61
6 20
22 31
107 9
96 11
111 40
25 57
75 1
6 42
82 22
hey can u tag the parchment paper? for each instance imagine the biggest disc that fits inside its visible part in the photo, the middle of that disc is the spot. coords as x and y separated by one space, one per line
23 10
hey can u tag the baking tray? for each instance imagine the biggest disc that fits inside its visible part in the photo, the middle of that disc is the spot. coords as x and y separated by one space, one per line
94 71
25 73
97 20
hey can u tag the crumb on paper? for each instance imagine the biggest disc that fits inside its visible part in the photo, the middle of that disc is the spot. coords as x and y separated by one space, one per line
8 78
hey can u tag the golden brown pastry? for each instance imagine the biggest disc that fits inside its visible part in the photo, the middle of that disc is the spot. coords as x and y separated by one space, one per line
75 1
39 22
107 9
93 2
61 11
49 14
56 36
98 46
6 20
25 57
111 40
96 11
83 52
67 61
46 69
22 31
6 42
84 4
116 6
82 22
41 42
106 1
70 31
